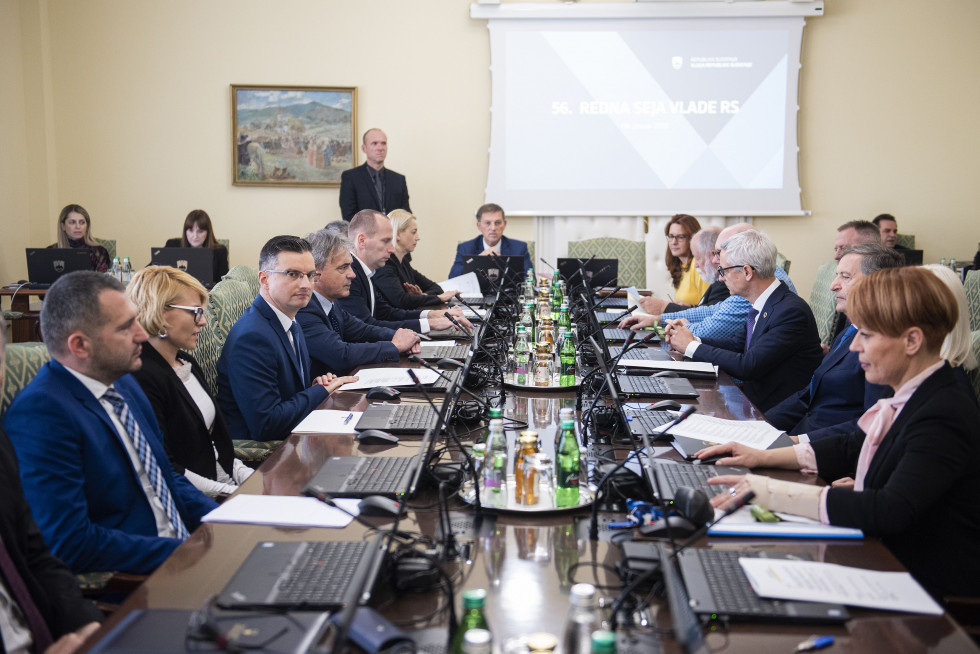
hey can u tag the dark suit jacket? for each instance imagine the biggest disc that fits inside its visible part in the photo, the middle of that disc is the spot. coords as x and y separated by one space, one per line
783 353
840 396
260 389
509 247
717 292
220 265
389 279
80 482
357 344
51 584
357 192
358 304
920 490
185 436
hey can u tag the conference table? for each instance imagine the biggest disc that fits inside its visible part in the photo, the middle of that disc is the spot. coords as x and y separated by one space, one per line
26 327
526 562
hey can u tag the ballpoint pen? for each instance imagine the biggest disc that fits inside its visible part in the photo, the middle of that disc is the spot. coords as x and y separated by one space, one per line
814 643
348 418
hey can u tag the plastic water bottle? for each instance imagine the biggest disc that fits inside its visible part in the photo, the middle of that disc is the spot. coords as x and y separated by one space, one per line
495 466
127 271
522 356
116 270
583 619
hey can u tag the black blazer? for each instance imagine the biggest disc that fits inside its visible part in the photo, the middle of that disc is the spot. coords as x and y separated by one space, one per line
358 304
357 192
357 344
717 292
389 279
220 265
185 436
51 584
920 491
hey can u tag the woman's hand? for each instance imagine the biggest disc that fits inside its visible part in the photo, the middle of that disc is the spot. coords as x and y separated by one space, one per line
740 455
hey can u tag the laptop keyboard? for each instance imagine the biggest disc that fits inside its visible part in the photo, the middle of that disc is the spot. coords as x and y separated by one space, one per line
322 574
616 334
730 587
381 474
643 385
412 417
637 354
648 421
441 384
615 303
445 352
674 475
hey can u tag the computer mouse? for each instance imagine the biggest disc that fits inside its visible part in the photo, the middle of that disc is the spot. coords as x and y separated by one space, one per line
666 405
673 526
383 393
378 505
376 437
711 460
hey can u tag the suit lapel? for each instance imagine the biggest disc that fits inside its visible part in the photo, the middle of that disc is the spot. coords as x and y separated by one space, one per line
276 326
762 324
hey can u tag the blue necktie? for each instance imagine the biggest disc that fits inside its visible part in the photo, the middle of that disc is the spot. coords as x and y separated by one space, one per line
334 323
294 330
750 326
146 457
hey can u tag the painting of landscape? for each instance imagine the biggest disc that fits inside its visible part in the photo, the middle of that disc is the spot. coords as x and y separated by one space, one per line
292 136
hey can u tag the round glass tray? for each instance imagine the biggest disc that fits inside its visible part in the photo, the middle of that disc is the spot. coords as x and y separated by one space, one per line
553 387
545 502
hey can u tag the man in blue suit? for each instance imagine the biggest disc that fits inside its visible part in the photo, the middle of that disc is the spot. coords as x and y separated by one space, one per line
491 222
91 453
838 394
779 348
371 185
265 387
339 342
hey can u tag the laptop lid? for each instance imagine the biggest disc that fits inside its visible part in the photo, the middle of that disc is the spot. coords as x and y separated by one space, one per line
46 265
197 262
687 626
495 272
598 272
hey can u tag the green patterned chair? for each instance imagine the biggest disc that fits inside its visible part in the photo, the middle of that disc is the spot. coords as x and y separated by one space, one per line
632 257
22 362
906 241
246 274
530 250
823 301
228 300
110 245
783 262
975 373
972 288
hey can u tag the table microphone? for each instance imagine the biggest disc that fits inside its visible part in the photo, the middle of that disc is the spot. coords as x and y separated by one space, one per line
581 270
546 263
414 358
458 325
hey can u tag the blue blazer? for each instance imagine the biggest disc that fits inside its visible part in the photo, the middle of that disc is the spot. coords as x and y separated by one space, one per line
509 247
79 480
783 354
358 304
357 344
260 390
833 400
357 192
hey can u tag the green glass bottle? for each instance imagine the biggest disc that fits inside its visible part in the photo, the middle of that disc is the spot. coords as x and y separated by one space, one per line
473 602
495 466
567 360
567 465
603 642
564 320
556 296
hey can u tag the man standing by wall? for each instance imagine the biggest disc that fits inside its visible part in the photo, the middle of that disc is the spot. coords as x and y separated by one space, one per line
371 185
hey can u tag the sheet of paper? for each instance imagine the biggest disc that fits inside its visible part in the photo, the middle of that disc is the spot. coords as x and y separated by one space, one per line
703 367
328 421
633 297
425 344
467 284
371 377
282 511
754 433
741 523
828 582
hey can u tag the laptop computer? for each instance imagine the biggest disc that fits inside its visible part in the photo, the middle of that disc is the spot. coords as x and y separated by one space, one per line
496 272
197 262
46 265
912 257
598 272
646 385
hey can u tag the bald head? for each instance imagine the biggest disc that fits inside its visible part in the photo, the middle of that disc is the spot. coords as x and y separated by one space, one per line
723 236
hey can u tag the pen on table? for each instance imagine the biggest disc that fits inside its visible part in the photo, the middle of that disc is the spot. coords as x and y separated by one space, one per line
814 643
425 337
348 418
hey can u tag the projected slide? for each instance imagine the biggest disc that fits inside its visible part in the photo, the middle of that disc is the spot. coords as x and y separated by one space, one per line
646 117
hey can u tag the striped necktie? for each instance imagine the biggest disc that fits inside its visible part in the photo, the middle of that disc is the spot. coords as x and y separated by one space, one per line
147 458
750 326
294 330
334 323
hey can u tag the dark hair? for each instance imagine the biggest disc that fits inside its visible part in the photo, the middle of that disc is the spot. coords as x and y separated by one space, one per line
63 216
490 207
200 218
883 216
875 257
675 266
72 304
324 245
867 231
276 244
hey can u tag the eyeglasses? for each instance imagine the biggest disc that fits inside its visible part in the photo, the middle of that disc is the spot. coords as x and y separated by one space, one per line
197 311
296 275
715 253
721 271
677 237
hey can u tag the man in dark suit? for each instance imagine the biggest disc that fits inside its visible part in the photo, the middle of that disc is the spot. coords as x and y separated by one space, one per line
91 454
779 349
371 238
838 394
339 342
371 185
491 222
45 603
265 387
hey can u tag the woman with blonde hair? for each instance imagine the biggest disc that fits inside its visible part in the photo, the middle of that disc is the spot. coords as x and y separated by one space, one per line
398 281
75 231
170 307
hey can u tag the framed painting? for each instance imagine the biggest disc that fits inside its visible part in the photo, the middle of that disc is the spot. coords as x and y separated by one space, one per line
292 135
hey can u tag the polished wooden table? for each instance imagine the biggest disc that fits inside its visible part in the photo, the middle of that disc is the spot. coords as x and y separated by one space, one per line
526 562
28 326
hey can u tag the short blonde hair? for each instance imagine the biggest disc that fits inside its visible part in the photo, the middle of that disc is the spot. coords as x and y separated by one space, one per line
958 345
400 220
153 288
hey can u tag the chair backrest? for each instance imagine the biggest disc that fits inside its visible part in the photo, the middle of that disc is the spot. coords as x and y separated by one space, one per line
22 362
530 250
228 300
110 245
972 287
975 373
225 242
783 262
246 274
823 301
906 241
632 257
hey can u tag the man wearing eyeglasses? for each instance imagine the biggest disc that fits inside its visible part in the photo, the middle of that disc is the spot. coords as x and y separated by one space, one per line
264 383
778 349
